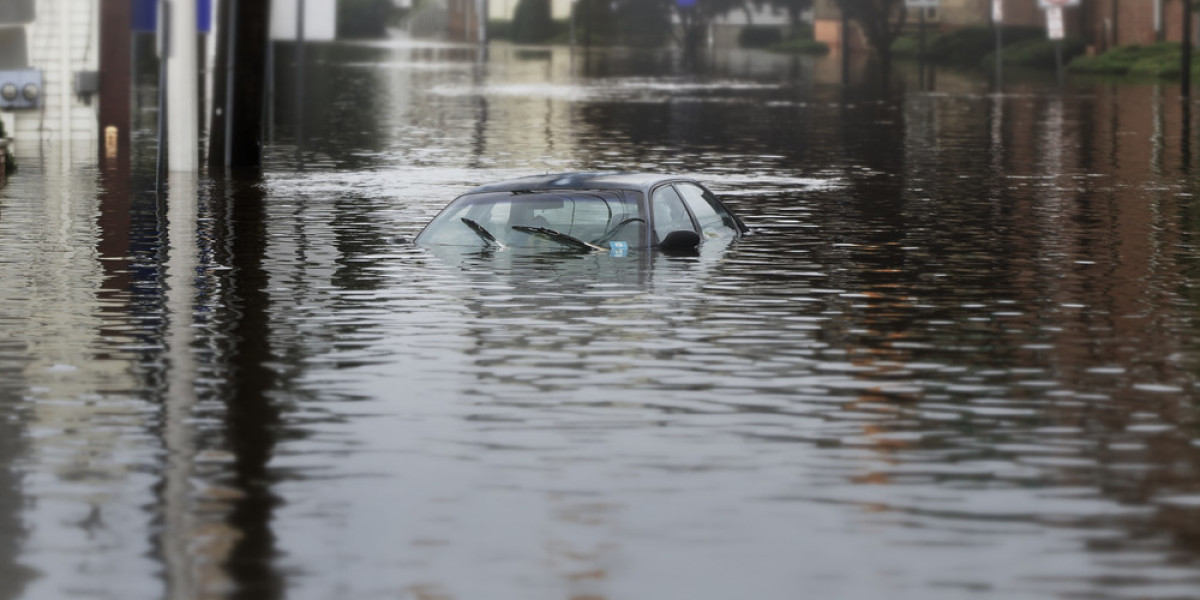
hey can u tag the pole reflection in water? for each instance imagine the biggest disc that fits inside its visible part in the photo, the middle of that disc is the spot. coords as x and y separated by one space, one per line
182 261
13 530
219 422
1185 135
252 419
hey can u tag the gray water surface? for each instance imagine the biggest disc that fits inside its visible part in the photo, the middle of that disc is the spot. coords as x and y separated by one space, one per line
957 358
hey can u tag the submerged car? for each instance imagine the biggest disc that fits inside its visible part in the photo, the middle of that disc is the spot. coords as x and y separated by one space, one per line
585 212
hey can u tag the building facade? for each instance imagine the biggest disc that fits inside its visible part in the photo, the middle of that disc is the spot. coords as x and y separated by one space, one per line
61 43
1102 24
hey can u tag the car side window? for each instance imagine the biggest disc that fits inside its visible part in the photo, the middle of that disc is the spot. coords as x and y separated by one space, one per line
714 220
669 213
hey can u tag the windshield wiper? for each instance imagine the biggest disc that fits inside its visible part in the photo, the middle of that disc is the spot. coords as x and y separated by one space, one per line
483 233
611 234
559 237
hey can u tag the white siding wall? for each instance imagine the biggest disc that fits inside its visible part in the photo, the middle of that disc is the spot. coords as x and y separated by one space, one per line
761 16
64 39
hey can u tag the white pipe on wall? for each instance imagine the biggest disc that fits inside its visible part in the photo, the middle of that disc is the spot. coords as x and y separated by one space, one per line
183 104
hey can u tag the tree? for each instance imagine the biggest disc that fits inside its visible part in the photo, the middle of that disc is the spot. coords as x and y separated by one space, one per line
695 17
531 22
795 10
642 23
596 21
881 21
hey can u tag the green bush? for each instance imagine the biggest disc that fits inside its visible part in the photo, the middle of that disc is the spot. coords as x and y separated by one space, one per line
643 24
801 46
759 36
499 30
802 30
364 18
965 46
638 24
532 23
1038 53
595 22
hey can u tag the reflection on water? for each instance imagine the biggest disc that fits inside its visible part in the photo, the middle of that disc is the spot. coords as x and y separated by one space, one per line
957 356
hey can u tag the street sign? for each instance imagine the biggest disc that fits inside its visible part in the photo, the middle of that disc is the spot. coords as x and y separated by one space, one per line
997 11
685 3
1059 3
1054 23
922 3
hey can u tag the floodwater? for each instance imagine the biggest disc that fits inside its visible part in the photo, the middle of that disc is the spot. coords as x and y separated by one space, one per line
958 358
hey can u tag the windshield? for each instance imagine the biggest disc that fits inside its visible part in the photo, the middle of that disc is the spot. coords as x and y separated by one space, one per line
538 219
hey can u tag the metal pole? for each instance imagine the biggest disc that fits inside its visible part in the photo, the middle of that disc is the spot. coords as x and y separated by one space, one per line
999 59
230 73
998 23
270 83
844 42
482 24
164 49
183 91
921 48
1158 20
299 95
64 90
1058 61
921 37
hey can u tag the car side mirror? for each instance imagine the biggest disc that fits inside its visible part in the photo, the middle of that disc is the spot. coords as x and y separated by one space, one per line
680 239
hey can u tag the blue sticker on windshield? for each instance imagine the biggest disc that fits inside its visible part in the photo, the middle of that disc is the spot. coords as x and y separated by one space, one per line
618 248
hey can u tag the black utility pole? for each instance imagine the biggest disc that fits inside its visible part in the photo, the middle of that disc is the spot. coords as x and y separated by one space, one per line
299 70
999 55
237 117
164 52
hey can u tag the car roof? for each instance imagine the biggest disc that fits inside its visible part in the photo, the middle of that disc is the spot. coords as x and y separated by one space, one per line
578 181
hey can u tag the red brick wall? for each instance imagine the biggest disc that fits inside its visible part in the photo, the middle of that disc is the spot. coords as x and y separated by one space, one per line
1120 22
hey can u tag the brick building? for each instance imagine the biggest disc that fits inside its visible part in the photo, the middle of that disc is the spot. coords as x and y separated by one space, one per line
1101 23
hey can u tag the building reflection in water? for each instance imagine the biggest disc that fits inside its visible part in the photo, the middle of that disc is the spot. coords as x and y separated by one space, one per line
235 393
1073 363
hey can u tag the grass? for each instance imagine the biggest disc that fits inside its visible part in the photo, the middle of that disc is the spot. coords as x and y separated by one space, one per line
1149 61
